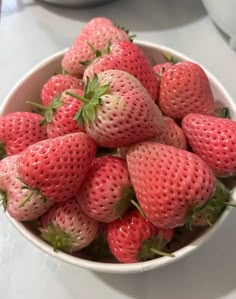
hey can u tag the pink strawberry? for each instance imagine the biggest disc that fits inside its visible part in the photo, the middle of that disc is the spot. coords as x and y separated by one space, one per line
67 228
168 182
97 32
59 114
57 166
57 84
118 111
185 89
172 134
126 56
15 196
214 140
18 130
106 191
134 239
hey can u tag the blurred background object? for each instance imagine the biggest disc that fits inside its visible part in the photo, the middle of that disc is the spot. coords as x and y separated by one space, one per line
222 12
78 3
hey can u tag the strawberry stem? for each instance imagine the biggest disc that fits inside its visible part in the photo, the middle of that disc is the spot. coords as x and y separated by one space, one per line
48 111
39 106
229 204
78 97
137 206
32 192
27 198
152 247
162 253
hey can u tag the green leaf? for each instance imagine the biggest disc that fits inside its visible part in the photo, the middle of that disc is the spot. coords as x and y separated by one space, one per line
89 113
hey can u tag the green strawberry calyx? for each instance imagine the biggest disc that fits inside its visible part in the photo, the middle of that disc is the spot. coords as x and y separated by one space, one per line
57 237
212 209
125 201
48 111
30 194
91 99
223 112
2 150
127 31
152 248
169 58
97 52
3 199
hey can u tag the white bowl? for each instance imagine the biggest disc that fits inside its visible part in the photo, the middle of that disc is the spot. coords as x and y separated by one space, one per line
29 88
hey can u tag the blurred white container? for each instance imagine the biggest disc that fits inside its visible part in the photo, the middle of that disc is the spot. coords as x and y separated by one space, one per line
223 13
78 3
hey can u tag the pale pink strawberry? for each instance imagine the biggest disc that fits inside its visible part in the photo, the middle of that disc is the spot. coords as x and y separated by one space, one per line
59 114
19 203
96 33
134 239
7 165
18 130
214 140
125 56
118 111
168 182
67 228
56 85
172 134
57 166
106 192
184 89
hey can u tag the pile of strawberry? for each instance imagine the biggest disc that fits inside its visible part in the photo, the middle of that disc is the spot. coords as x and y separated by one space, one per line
120 152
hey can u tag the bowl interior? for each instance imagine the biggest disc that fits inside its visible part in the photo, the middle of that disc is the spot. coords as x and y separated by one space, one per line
185 242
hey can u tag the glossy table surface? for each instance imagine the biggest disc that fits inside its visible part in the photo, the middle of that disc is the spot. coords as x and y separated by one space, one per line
32 30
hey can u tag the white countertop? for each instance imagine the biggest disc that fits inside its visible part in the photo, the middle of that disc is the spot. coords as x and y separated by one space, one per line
29 32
